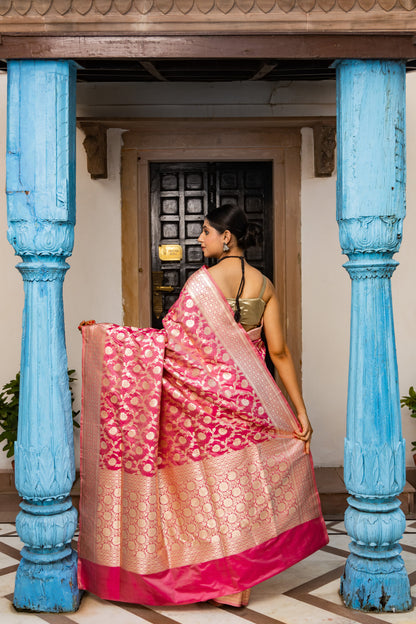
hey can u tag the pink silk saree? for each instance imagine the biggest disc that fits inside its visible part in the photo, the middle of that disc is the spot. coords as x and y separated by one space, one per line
192 484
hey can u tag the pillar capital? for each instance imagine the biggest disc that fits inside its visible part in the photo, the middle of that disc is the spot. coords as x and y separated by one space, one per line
380 234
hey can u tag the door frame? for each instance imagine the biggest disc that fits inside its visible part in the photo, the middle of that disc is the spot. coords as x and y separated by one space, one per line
187 140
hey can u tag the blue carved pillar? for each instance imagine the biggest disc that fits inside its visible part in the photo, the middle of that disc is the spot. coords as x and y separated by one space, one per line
370 213
41 217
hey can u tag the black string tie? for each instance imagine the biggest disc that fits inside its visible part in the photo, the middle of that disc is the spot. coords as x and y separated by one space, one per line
237 313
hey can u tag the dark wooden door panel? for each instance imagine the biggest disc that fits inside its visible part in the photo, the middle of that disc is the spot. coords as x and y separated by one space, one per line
181 195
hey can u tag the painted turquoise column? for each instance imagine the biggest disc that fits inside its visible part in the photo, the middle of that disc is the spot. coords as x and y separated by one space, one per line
370 213
41 216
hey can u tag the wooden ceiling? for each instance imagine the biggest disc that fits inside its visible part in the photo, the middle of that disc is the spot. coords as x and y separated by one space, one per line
204 70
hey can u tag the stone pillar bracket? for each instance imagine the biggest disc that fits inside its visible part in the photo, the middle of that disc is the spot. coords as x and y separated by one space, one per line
95 144
324 142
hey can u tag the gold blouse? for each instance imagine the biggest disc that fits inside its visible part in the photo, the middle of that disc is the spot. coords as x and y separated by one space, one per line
252 310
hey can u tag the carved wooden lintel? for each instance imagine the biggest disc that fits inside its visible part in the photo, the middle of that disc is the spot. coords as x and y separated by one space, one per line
324 138
95 144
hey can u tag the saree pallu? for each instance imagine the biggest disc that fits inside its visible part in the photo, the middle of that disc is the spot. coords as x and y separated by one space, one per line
192 484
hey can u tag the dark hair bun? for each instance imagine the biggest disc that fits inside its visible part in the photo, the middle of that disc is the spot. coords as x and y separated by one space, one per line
251 238
233 218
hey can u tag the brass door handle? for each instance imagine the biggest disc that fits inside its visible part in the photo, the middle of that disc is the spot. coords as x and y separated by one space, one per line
158 291
162 289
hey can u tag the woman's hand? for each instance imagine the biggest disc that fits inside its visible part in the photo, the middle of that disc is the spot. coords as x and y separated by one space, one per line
306 433
85 323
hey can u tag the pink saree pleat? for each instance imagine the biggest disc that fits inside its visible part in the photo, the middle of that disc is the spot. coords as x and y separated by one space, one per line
192 484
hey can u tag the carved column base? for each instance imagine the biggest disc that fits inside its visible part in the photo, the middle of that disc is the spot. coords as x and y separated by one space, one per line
375 578
381 589
46 579
51 587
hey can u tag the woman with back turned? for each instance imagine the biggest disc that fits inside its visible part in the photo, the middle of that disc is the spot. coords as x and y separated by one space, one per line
196 477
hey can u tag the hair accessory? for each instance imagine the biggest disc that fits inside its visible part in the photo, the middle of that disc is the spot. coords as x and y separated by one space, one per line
225 247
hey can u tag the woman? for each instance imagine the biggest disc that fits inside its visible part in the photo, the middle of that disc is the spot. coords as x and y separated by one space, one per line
196 478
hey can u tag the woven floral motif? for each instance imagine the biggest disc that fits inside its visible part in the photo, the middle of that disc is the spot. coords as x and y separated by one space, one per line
192 483
208 405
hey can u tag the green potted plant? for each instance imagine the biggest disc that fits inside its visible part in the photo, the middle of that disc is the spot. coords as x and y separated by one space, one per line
410 402
9 411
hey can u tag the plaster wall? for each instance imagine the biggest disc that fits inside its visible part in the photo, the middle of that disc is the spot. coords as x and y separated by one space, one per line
92 288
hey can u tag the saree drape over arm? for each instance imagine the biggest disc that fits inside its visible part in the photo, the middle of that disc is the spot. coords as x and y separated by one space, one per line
192 484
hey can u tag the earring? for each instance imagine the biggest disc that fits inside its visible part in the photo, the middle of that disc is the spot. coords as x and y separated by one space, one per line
225 247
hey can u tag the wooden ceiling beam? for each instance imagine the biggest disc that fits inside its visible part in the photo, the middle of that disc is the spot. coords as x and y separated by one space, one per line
264 70
212 46
151 69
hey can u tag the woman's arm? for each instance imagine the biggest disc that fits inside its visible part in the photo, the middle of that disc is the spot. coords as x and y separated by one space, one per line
283 362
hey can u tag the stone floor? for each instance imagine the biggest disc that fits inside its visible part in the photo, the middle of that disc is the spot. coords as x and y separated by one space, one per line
307 593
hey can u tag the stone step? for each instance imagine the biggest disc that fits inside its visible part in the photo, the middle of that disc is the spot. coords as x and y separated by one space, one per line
333 493
330 483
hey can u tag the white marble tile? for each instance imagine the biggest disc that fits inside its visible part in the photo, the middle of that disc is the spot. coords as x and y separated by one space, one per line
267 598
8 615
13 541
7 528
317 564
93 610
338 526
292 611
201 613
330 592
6 584
340 541
6 560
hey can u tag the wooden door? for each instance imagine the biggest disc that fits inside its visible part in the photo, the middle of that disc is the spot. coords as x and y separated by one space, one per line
181 195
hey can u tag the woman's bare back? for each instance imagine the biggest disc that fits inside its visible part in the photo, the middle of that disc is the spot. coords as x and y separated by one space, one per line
227 275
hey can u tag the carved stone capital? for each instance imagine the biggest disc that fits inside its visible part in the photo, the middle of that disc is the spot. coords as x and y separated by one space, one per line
376 530
44 474
42 272
373 470
95 144
40 531
324 138
44 238
373 234
370 268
